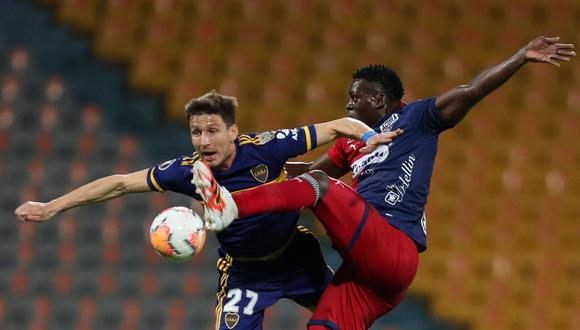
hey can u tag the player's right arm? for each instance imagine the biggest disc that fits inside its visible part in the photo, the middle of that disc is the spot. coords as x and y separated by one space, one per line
96 191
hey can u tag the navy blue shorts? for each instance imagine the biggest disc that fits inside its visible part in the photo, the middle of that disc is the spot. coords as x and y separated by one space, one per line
247 288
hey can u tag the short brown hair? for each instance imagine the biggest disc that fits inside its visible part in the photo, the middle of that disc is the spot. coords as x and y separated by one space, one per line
214 103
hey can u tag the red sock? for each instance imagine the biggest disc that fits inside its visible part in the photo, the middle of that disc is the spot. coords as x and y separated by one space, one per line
289 196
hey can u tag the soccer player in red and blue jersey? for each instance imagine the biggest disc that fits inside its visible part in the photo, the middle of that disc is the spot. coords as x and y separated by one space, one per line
379 229
263 258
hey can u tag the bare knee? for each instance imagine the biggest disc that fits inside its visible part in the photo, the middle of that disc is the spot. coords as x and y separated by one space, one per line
322 179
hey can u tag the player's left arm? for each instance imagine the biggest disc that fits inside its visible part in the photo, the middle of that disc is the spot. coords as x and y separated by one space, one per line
456 103
354 129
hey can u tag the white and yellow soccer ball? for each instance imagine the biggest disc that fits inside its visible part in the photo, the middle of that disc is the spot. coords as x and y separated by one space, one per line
177 233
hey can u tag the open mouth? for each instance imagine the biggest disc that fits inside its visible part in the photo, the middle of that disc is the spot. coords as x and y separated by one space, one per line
208 155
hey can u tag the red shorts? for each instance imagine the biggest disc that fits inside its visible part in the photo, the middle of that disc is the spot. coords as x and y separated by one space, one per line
379 262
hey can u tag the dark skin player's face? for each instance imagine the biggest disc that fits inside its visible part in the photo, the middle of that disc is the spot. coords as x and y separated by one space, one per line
366 102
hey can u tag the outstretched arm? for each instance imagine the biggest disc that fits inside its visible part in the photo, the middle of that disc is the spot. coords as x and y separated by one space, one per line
346 127
96 191
455 103
354 129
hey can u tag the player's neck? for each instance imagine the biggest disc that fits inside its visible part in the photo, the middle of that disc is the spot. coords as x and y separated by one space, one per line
392 107
230 159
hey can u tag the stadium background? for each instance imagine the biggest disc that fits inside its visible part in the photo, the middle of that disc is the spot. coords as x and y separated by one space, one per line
93 87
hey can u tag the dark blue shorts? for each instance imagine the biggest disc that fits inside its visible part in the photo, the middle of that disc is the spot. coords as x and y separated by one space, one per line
247 288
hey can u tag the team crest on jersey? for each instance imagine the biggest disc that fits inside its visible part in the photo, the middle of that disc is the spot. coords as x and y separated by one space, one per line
231 320
260 173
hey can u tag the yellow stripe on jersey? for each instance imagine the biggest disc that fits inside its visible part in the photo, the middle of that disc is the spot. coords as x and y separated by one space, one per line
283 176
220 301
308 138
246 139
155 184
224 266
190 160
303 230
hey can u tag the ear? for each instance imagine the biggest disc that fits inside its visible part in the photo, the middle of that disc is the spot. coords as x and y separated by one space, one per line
233 131
379 101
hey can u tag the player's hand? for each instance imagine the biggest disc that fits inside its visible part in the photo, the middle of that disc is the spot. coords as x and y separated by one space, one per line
34 211
548 50
377 140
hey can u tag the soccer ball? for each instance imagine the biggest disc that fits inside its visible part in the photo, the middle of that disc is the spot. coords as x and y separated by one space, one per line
177 233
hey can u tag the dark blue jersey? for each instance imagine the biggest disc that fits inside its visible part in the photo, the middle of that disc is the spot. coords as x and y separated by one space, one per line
259 160
395 178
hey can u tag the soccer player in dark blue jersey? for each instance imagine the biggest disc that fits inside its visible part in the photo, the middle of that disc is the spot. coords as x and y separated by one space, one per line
263 258
379 229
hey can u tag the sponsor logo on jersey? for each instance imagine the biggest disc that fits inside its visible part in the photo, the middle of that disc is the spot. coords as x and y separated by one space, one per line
165 165
424 223
341 184
231 320
266 137
377 156
284 133
354 144
368 171
398 189
294 132
260 173
387 126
